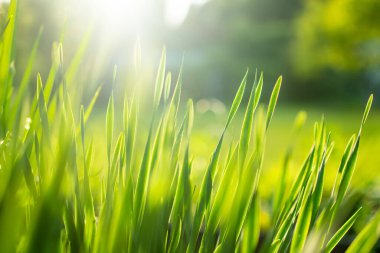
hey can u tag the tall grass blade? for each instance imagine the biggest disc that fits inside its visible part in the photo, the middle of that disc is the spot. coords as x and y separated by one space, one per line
109 126
159 80
246 129
237 100
302 227
91 104
367 238
341 232
26 77
273 100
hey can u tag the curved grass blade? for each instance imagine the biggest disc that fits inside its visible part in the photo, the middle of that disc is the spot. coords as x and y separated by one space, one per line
159 81
302 227
246 129
273 100
341 232
91 104
237 100
367 238
366 111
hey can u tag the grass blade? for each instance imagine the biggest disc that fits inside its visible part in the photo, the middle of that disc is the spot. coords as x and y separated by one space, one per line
302 227
237 100
341 232
159 81
109 126
367 238
273 100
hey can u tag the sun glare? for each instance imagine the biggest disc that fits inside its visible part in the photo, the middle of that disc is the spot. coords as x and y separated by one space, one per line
137 12
117 12
177 10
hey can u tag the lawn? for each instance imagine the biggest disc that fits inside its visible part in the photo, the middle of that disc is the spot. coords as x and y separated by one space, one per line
142 170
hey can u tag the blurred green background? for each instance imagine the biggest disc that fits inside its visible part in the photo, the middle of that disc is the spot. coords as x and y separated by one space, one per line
327 51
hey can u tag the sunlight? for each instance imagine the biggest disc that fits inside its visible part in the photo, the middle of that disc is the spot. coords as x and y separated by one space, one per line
117 13
177 10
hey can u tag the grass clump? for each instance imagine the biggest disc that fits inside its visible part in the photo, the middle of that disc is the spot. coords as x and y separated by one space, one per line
50 202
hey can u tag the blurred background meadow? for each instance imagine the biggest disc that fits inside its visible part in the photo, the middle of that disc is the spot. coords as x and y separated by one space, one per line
328 53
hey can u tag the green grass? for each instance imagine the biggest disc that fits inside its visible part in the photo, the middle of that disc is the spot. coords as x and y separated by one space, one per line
130 185
340 120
